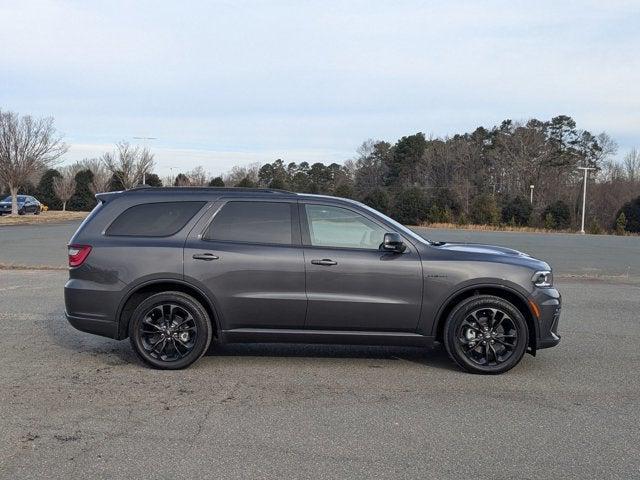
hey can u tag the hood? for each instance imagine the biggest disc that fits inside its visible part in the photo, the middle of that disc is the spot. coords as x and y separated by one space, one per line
496 253
480 248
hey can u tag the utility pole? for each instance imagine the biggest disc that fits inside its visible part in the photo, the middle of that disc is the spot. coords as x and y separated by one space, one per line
531 197
584 193
144 139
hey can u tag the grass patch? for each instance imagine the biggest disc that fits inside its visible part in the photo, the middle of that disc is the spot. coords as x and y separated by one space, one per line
504 228
50 216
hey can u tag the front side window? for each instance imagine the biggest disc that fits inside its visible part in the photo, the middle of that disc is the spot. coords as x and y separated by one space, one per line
154 219
341 227
252 222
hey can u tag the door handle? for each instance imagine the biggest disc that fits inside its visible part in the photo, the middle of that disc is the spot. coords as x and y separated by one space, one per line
325 262
205 256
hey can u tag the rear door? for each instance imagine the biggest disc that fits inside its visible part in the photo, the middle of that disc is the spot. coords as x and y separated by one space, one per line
247 256
351 283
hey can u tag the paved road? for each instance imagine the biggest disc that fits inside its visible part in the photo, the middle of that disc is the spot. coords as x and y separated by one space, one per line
585 255
79 406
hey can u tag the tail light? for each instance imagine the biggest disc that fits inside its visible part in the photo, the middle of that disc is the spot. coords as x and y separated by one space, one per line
78 254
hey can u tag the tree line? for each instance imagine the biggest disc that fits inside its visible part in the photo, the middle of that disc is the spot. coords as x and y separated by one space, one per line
515 173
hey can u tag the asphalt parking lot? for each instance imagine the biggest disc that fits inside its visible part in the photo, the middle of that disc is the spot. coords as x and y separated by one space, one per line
77 405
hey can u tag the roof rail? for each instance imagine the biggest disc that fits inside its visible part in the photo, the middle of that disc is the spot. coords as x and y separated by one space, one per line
210 189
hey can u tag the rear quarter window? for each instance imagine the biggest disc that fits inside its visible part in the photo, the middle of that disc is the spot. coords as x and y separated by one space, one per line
160 219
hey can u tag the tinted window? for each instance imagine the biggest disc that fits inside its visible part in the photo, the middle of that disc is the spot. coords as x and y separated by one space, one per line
255 222
154 219
341 227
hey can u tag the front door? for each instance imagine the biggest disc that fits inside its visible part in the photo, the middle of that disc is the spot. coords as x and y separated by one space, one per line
351 283
249 259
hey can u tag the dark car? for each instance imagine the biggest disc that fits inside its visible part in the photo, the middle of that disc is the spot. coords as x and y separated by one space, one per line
170 268
26 204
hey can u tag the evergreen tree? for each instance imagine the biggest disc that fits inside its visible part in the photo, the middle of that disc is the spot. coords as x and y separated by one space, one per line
45 192
216 182
83 199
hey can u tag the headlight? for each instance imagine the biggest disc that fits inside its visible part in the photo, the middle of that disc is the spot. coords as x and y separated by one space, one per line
543 279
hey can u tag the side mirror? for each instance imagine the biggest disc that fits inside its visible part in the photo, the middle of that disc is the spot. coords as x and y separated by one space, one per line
393 243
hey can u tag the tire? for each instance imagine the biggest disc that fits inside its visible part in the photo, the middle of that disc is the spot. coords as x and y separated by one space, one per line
37 211
486 334
170 330
21 211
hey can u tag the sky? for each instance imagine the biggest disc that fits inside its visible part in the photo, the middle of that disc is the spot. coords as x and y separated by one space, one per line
235 82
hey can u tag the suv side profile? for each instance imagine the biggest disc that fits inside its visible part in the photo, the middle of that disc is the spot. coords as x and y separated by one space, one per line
171 268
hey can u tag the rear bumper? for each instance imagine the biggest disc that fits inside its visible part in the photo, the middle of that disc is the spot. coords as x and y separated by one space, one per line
96 326
91 308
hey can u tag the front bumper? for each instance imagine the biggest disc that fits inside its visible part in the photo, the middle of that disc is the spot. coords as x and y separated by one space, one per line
549 301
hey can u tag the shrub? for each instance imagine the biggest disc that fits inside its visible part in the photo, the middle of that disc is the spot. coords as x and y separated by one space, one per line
621 224
594 227
246 182
484 210
216 182
549 221
410 206
378 199
516 211
343 190
631 211
153 180
561 215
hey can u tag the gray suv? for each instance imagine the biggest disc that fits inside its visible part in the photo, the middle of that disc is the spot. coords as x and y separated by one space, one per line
171 268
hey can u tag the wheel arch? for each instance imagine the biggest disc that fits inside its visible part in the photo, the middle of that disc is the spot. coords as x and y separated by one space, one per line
144 290
509 294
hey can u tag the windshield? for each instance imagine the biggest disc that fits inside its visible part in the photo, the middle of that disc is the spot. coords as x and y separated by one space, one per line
398 225
20 199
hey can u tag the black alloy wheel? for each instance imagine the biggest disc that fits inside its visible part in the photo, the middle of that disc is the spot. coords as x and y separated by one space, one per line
486 334
170 330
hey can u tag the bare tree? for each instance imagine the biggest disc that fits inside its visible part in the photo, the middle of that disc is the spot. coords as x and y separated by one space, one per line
239 173
65 184
198 177
128 164
26 146
101 175
632 165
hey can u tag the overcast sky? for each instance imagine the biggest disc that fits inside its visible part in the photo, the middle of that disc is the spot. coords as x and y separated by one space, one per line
235 82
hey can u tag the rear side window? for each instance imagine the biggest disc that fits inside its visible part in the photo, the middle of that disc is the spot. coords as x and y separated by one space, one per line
252 222
154 219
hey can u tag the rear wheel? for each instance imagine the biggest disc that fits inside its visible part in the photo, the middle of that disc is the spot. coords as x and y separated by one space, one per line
170 330
486 334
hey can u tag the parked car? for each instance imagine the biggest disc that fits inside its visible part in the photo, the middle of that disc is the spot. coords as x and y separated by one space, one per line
26 204
170 268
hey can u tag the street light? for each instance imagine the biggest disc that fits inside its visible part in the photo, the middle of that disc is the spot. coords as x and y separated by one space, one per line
584 193
144 173
531 187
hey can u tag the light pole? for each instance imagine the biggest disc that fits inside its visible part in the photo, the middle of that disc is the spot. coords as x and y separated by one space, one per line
531 197
584 193
144 139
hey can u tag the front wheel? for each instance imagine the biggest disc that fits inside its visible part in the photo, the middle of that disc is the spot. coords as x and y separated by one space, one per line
170 330
486 334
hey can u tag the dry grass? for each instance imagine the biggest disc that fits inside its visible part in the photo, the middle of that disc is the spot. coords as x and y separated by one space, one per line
50 216
497 228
